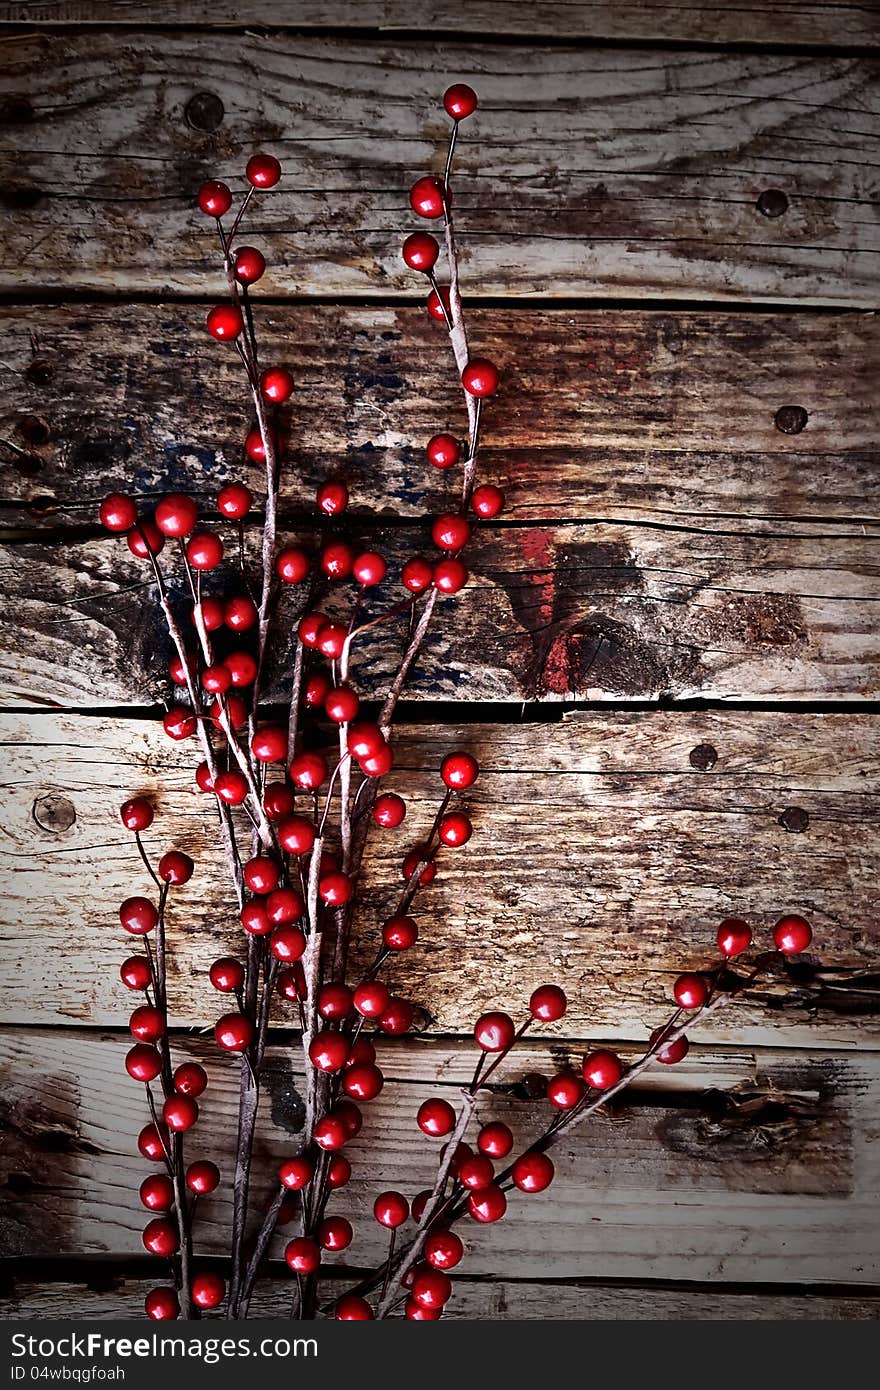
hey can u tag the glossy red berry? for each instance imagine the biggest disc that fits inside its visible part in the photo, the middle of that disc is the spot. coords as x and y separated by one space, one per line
362 1050
261 875
175 868
454 829
190 1079
436 1118
672 1052
363 1081
331 640
420 251
162 1305
337 560
733 936
532 1172
475 1171
416 575
487 1205
138 916
302 1255
565 1090
335 1233
254 918
179 722
460 101
792 934
145 539
397 1018
204 550
547 1004
202 1177
351 1307
284 906
316 690
234 1032
308 771
417 1312
143 1063
420 854
602 1069
157 1192
296 835
480 377
287 943
691 991
249 265
389 810
240 613
444 451
296 1173
494 1031
213 614
335 889
135 972
146 1024
328 1051
180 1113
136 814
450 532
231 787
225 322
431 1288
216 679
278 801
176 514
226 974
151 1144
437 303
350 1116
160 1237
215 198
276 385
379 763
365 740
254 446
369 568
208 1289
234 501
426 197
335 1003
487 501
442 1249
332 498
495 1140
371 998
459 771
118 512
449 576
400 933
391 1209
292 565
263 171
236 710
269 744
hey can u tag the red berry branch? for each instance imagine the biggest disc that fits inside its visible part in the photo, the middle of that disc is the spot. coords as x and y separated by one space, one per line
296 800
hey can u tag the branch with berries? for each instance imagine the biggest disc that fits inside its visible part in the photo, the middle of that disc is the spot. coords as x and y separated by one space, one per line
296 799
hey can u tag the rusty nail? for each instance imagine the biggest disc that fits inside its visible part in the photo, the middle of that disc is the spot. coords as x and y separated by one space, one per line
53 812
790 419
772 202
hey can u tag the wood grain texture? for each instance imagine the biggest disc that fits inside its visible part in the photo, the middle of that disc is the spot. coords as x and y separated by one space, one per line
109 1295
665 419
589 171
773 21
602 857
740 1168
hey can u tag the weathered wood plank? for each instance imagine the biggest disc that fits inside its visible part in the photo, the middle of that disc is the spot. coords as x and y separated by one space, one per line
770 1177
770 21
602 827
591 172
666 418
590 610
109 1295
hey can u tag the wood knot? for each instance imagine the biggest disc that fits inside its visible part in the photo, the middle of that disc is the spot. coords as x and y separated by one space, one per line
703 757
53 812
205 112
772 203
795 819
790 419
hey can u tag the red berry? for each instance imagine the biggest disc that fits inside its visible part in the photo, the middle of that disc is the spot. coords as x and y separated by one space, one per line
487 501
331 640
565 1090
214 198
146 1023
460 101
547 1004
371 998
234 501
255 919
162 1305
350 1116
216 679
335 1233
420 251
151 1144
792 934
691 991
317 688
416 575
361 1051
176 515
488 1204
249 265
234 1032
436 304
459 771
284 906
417 1312
242 668
213 614
426 197
225 322
138 916
369 569
334 1003
431 1288
380 762
118 512
204 550
143 1063
328 1051
231 787
180 1113
480 377
157 1192
602 1069
733 936
287 943
263 171
308 771
276 385
436 1118
226 974
352 1308
450 532
332 498
278 801
454 829
397 1018
363 1081
296 1173
495 1140
208 1290
296 835
532 1172
269 745
494 1031
145 539
335 889
160 1237
391 1209
292 564
450 576
202 1176
136 814
365 740
444 451
302 1255
135 972
389 810
475 1171
442 1249
254 446
673 1052
175 868
337 560
261 875
179 722
400 933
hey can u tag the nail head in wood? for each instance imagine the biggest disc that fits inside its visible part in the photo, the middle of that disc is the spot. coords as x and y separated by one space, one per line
772 202
703 757
795 819
790 419
54 812
205 112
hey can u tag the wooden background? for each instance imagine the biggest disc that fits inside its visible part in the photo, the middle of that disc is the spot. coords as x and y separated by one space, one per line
667 660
